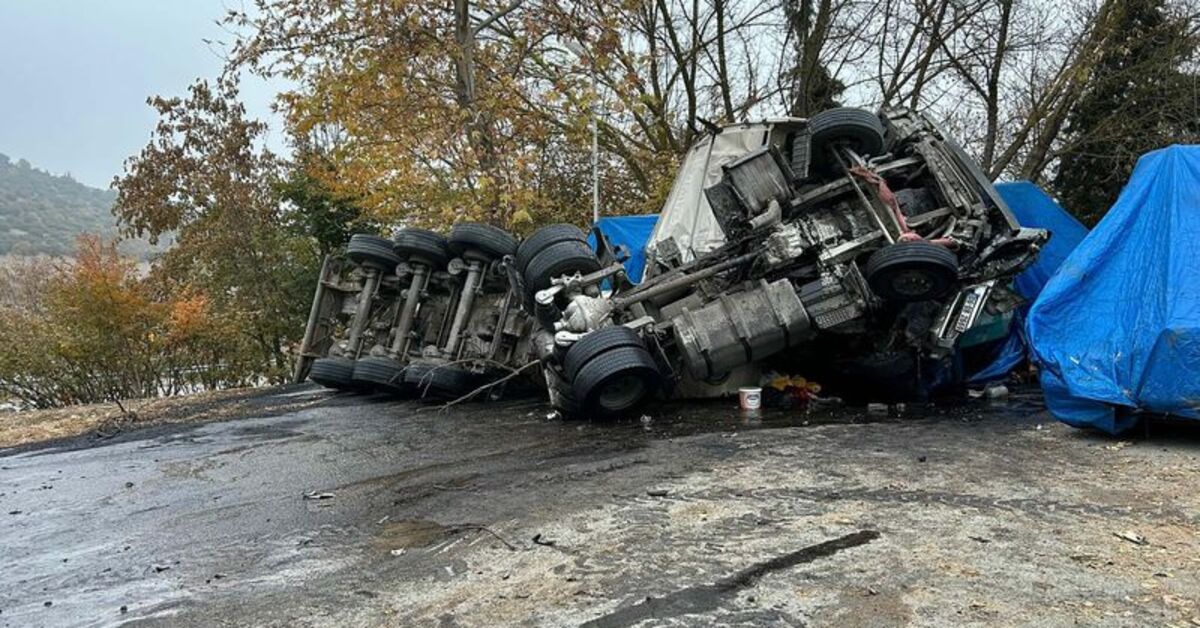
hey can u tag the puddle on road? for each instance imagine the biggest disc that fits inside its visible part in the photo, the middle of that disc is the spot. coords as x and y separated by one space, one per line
412 533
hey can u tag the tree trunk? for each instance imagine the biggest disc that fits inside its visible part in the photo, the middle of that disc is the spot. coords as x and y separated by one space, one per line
479 123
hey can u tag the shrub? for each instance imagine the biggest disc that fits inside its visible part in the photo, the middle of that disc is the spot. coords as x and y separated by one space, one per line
91 329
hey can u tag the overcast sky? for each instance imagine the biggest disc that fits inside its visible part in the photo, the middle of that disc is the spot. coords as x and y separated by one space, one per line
75 75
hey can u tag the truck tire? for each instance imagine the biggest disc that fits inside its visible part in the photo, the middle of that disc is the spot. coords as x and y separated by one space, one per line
379 373
437 380
333 373
562 258
544 237
616 382
422 246
908 272
858 129
366 249
491 241
598 342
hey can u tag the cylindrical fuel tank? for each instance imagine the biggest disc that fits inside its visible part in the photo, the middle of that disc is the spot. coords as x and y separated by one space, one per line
740 328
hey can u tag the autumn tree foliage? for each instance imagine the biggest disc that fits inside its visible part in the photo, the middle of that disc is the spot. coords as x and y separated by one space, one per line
447 111
480 109
206 180
60 344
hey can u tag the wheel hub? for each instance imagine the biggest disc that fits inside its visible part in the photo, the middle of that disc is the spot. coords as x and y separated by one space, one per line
622 391
913 283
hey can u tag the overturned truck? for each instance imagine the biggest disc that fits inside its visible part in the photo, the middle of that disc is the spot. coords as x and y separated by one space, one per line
420 315
854 246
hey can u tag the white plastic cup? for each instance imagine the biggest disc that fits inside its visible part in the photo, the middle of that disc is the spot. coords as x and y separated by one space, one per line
750 398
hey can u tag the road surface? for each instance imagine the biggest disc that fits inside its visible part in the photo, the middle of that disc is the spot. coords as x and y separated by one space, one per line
361 511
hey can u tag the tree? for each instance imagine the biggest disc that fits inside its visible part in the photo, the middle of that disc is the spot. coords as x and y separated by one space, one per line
482 110
1138 98
205 178
435 126
317 213
810 86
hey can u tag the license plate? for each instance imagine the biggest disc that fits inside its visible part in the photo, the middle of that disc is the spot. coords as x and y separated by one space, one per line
966 315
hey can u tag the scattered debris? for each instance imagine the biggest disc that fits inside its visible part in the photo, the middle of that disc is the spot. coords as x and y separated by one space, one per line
398 551
1132 537
999 391
1118 446
826 402
316 496
483 528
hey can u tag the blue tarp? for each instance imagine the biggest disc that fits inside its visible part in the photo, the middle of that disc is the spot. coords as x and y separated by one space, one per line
1117 328
632 233
1032 208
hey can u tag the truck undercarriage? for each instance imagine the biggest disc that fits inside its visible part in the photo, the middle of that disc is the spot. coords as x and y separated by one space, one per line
853 245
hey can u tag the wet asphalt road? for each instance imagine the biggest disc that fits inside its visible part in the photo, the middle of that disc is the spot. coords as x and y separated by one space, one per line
361 511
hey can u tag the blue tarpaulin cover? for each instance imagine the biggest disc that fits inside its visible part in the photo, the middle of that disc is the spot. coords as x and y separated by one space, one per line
1035 209
630 232
1117 328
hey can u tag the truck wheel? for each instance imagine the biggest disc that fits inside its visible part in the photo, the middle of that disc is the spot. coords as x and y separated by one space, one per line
366 249
857 129
379 373
616 382
333 373
563 258
912 271
435 380
489 240
596 343
544 237
422 246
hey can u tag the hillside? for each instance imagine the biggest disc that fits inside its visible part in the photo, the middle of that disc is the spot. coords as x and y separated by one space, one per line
44 213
